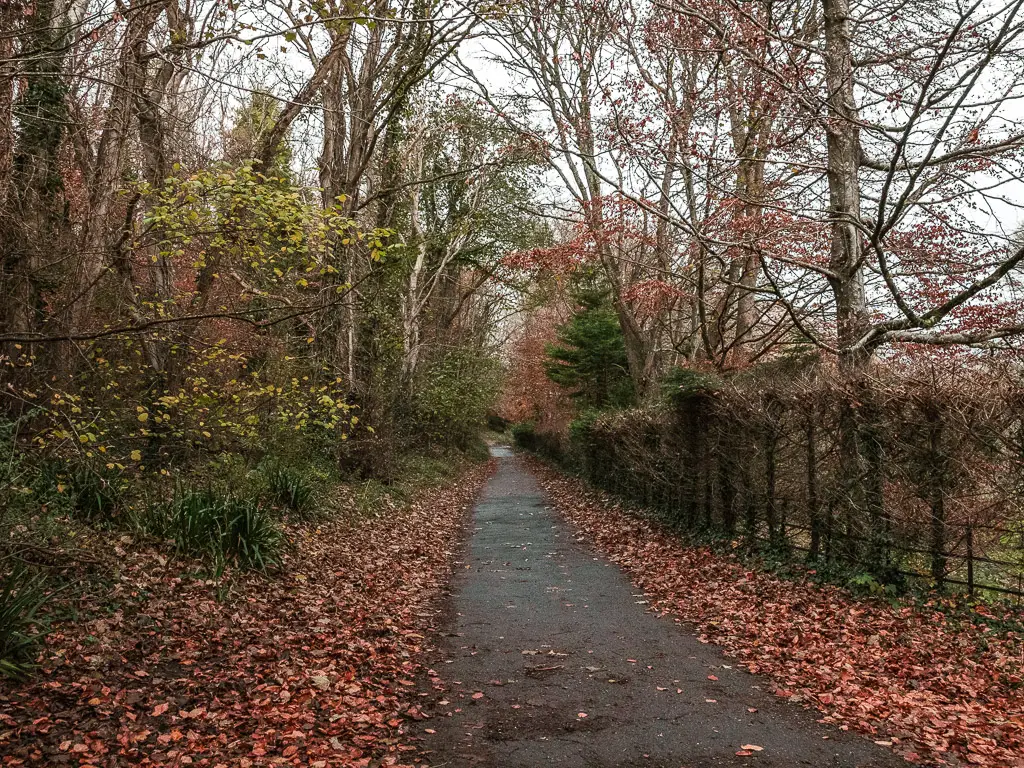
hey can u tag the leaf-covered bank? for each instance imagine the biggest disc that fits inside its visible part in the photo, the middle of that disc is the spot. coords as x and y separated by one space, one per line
162 665
934 687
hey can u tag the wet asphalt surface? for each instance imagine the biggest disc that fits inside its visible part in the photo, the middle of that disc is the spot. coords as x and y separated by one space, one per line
574 670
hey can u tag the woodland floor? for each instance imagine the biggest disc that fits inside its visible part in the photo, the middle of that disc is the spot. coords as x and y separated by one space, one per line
312 666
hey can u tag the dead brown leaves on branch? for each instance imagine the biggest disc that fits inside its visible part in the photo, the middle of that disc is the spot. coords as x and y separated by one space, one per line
313 667
937 688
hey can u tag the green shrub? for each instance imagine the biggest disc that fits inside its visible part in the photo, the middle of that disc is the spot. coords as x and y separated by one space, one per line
232 471
524 435
590 359
95 497
72 488
251 536
547 444
25 483
289 487
681 384
581 428
22 594
218 524
453 397
866 583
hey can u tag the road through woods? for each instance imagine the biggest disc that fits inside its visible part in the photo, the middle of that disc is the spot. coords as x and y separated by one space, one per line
552 659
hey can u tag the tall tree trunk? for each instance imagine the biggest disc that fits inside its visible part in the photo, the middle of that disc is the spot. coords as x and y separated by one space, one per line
32 233
639 347
843 146
859 444
411 299
32 195
341 321
105 181
8 72
156 105
751 191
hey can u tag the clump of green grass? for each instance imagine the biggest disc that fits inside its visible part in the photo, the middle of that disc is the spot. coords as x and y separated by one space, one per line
22 594
95 498
289 487
229 528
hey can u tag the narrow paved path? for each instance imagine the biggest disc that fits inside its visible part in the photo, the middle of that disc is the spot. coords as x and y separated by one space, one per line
553 660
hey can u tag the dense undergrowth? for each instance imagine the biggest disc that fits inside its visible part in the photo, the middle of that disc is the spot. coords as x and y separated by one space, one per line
220 516
893 482
143 610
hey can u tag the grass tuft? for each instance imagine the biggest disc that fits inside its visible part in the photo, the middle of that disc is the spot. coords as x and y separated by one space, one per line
231 529
22 594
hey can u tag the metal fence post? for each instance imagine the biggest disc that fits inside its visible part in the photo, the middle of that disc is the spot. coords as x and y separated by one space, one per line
970 559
